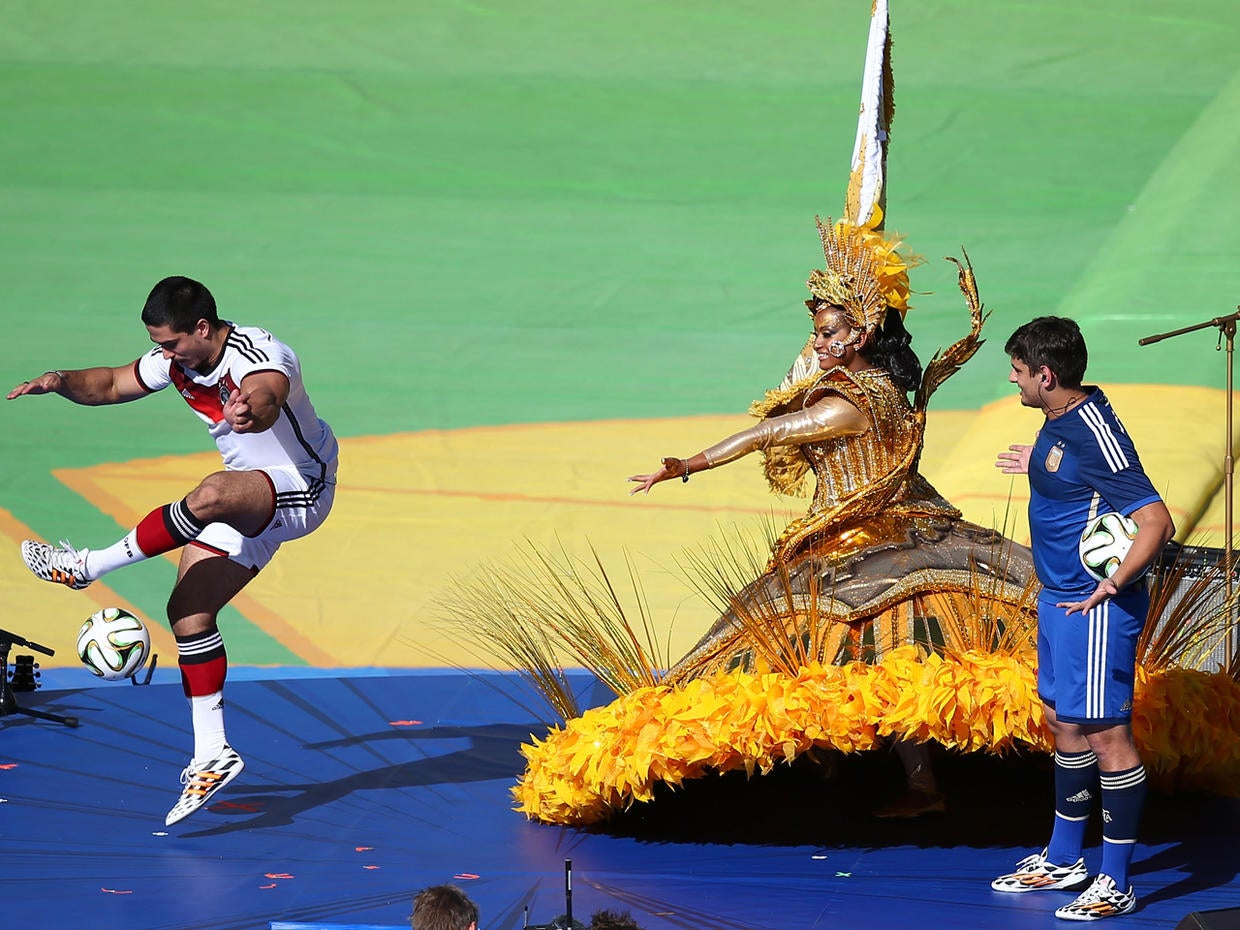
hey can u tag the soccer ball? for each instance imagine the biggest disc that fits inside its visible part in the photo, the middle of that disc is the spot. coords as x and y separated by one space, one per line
113 644
1104 543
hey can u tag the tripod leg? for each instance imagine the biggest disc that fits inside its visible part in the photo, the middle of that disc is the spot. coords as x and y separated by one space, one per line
55 718
9 705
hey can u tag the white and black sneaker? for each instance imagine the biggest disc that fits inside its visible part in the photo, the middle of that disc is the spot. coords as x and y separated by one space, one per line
58 564
1034 873
1099 900
203 781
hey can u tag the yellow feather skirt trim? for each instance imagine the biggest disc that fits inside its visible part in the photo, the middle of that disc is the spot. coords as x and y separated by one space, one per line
1187 726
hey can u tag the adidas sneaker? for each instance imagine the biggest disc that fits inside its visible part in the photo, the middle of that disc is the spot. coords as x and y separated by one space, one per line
1101 899
203 782
58 564
1034 873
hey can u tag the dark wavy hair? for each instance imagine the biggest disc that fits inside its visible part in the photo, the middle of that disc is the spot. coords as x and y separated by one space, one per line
443 907
179 303
1053 341
890 347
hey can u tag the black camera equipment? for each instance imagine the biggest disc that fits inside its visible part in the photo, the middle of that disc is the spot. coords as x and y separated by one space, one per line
24 679
564 921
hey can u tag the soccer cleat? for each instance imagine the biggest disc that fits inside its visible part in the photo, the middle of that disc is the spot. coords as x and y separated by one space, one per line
1034 873
202 783
1101 899
58 564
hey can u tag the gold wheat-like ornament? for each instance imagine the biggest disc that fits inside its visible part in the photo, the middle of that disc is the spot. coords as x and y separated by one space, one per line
865 273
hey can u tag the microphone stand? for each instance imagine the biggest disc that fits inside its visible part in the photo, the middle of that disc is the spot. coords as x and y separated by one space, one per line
1226 325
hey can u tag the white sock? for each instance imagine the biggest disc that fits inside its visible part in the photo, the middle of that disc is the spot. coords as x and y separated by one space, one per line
118 555
208 715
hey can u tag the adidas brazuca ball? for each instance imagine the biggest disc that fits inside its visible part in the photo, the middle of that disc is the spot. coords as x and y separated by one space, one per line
1105 541
113 643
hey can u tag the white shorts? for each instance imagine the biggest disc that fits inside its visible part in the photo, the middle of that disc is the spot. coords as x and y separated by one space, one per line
302 504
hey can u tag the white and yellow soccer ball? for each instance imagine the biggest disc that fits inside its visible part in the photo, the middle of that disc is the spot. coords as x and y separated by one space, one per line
1105 542
113 643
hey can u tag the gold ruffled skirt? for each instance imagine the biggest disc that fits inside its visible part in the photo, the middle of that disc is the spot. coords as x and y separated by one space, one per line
861 591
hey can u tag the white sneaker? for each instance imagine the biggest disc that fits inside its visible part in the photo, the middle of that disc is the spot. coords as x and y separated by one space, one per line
203 782
1034 873
1101 899
58 564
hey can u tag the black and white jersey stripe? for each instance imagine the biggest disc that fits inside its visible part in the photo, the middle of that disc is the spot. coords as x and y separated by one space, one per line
310 496
243 345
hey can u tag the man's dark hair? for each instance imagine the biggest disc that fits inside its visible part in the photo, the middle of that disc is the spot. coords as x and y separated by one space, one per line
610 920
1053 341
179 303
443 907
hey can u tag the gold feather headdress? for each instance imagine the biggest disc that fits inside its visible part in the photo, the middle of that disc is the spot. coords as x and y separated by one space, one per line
865 274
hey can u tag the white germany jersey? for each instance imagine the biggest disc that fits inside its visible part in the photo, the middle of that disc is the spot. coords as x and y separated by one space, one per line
298 437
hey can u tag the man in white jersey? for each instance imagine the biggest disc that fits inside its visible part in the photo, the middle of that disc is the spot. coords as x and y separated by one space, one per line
278 483
1083 463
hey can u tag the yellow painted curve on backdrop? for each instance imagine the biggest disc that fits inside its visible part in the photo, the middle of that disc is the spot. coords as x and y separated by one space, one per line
416 510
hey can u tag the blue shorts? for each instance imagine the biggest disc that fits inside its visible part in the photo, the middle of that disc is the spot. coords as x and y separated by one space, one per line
1087 662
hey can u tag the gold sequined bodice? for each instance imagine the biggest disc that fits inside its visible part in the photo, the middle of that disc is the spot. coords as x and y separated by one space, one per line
847 465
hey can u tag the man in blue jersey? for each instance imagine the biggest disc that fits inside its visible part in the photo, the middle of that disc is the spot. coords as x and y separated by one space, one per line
1083 464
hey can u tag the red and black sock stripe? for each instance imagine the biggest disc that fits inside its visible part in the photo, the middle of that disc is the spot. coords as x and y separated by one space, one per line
167 528
203 661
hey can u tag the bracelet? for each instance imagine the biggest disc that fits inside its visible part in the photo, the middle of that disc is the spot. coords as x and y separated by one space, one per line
55 371
684 475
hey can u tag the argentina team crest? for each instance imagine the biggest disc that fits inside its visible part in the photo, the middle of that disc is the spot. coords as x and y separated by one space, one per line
1054 458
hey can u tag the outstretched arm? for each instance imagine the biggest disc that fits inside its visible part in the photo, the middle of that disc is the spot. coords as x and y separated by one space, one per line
831 416
91 387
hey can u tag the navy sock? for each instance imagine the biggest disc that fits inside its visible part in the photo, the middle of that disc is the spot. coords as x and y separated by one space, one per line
1123 796
1076 780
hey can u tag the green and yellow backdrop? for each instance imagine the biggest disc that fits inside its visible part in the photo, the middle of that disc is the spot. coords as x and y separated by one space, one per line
525 249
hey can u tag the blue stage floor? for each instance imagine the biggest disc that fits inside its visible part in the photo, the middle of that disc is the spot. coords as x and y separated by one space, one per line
359 791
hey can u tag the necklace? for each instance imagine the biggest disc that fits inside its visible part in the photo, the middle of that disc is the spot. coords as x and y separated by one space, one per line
1054 412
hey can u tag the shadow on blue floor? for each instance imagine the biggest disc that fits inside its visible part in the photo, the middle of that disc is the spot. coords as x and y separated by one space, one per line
358 791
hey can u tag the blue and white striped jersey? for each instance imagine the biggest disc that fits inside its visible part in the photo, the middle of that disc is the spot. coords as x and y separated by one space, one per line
1083 463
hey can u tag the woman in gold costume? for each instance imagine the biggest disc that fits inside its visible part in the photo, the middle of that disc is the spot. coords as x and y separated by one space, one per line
880 557
881 560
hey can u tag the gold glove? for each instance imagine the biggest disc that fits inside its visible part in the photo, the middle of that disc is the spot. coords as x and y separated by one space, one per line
832 416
